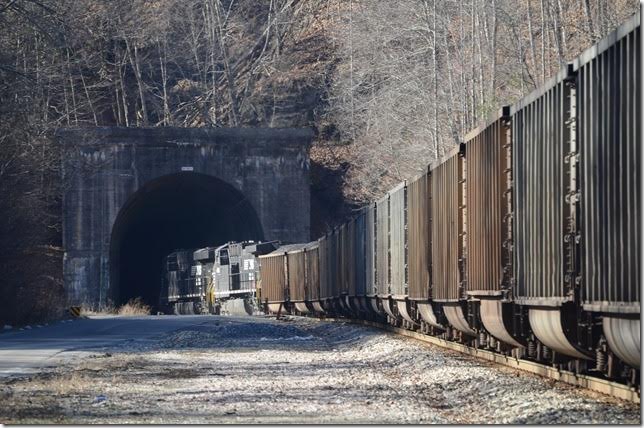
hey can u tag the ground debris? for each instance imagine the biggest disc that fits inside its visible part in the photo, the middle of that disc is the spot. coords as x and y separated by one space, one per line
99 399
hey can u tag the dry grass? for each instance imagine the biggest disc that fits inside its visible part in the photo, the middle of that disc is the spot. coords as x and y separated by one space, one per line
66 383
87 310
134 307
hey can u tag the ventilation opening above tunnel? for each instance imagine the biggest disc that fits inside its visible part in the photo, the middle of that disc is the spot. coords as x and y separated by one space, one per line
180 211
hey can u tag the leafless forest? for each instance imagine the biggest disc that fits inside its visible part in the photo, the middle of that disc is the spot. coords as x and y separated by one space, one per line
387 86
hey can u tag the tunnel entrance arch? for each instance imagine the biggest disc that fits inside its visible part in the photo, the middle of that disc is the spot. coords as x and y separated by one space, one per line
112 177
178 211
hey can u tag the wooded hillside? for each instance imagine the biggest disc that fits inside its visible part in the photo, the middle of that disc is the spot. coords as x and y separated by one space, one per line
387 85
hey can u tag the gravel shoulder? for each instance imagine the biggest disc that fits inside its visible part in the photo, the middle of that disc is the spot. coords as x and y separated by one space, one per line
260 370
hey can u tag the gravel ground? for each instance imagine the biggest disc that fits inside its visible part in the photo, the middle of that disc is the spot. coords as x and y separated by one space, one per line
259 370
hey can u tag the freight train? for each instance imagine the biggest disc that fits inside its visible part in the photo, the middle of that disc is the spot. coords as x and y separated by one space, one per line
524 239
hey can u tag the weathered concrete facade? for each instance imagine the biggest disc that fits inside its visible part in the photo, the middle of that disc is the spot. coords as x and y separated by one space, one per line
104 167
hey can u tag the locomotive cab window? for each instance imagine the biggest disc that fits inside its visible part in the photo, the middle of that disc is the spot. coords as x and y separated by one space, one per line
223 257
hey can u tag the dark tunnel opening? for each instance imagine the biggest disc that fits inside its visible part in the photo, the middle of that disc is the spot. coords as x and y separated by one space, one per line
180 211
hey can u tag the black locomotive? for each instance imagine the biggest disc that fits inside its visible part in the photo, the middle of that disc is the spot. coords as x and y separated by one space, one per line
213 279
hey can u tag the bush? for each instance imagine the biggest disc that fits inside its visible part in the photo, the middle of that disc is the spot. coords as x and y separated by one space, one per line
134 307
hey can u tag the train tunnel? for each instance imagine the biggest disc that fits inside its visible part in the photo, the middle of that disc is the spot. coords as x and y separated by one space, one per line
179 211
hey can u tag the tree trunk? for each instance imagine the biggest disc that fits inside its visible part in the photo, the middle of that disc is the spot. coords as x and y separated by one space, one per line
450 109
493 48
533 53
562 29
463 87
167 119
209 22
71 87
556 28
482 97
472 119
589 21
126 114
136 65
229 73
544 35
435 72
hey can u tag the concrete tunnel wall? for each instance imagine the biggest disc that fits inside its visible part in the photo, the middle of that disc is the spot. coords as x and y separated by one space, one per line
105 168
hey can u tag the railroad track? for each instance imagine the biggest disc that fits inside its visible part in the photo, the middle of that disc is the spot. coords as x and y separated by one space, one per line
603 386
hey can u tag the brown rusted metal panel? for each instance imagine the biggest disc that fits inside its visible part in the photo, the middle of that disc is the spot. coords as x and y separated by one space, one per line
418 232
398 240
382 246
340 270
360 246
349 258
342 262
273 277
370 253
609 108
448 229
544 256
335 263
489 225
323 266
312 260
296 277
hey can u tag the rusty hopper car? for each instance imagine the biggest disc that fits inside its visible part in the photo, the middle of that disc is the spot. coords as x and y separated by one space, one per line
489 225
323 269
398 251
334 249
296 273
545 214
346 239
360 260
273 284
312 274
448 239
371 290
609 151
419 249
329 272
303 277
381 245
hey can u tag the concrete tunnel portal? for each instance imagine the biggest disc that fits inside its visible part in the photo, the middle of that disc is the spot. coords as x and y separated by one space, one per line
180 211
133 195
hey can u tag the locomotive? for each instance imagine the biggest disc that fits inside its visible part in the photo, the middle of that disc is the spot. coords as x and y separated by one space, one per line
212 279
524 239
